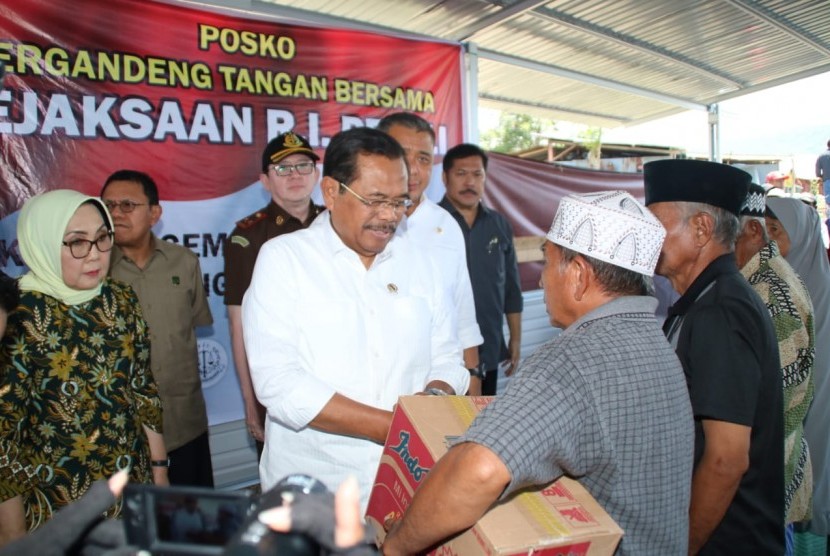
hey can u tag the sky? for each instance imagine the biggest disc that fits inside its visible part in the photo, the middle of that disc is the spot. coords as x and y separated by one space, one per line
789 121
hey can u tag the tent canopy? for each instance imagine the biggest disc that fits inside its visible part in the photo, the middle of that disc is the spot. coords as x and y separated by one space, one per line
598 62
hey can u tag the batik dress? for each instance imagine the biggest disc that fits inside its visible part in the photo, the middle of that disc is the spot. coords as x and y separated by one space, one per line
75 390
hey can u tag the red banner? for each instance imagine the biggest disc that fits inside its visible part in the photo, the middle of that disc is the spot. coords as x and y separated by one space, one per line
192 96
528 193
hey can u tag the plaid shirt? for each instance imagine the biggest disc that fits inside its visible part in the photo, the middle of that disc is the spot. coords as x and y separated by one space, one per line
605 402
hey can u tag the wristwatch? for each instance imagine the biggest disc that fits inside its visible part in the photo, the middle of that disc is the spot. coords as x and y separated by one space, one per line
477 372
160 462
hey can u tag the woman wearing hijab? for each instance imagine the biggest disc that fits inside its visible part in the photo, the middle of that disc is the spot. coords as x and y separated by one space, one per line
77 400
796 228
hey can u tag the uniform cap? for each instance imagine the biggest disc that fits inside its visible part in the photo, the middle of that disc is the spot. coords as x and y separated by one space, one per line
284 145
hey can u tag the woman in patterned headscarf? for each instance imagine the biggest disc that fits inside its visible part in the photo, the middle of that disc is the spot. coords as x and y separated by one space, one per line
797 230
77 400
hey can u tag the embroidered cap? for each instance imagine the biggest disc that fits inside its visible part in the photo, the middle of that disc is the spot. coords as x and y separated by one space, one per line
610 226
756 201
286 144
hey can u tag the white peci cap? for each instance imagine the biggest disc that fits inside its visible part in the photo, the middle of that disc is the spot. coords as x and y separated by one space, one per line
610 226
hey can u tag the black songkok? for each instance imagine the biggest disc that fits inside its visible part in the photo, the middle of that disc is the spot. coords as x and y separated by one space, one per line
696 181
756 201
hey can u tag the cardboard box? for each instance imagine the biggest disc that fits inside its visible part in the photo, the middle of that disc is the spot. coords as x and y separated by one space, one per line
560 519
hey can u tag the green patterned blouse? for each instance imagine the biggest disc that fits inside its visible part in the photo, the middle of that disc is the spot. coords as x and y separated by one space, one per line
791 310
75 389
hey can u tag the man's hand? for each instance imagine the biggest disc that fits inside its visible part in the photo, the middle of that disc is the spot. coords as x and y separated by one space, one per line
254 421
514 347
254 417
717 477
342 415
462 485
439 385
158 452
160 477
512 363
475 386
12 520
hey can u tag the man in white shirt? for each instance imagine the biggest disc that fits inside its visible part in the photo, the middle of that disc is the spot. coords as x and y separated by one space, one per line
438 232
344 317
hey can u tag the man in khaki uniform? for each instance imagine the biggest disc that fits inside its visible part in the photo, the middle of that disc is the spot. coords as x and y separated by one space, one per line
168 281
289 173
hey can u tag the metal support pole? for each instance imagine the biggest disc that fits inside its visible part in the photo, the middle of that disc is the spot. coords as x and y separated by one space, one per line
714 132
470 61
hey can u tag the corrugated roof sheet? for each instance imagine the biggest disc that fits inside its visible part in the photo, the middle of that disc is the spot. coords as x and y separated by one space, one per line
606 62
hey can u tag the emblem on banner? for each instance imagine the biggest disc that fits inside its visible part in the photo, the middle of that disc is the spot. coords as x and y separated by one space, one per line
213 361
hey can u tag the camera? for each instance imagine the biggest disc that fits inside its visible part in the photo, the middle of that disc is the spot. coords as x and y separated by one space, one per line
199 521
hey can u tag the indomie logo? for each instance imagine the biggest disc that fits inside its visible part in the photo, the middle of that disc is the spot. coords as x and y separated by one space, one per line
410 461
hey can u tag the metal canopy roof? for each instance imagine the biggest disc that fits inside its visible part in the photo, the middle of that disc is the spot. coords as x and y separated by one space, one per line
600 62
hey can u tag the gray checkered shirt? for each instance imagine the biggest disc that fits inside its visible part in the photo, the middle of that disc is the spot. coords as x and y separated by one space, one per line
606 403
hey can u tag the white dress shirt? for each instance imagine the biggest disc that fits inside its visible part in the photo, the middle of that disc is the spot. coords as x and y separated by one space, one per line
435 229
316 322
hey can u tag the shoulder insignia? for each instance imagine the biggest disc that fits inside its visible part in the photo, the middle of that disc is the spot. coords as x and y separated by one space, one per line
249 221
241 241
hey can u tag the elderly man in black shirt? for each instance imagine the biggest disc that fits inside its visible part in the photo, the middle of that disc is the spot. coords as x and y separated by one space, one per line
726 342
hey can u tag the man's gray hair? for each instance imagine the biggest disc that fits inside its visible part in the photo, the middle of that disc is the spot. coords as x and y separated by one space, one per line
745 219
613 279
726 224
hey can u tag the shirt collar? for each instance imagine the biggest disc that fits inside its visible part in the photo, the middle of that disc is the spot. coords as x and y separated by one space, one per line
335 245
419 213
621 305
449 207
273 211
725 264
157 247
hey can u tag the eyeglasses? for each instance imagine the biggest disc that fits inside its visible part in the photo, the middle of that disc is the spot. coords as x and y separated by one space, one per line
303 168
80 248
123 206
397 206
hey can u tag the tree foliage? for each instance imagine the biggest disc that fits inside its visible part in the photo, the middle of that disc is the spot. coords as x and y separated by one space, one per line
516 132
592 139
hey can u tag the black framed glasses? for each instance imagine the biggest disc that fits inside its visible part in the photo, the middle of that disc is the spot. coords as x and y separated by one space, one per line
80 248
124 206
398 206
303 168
